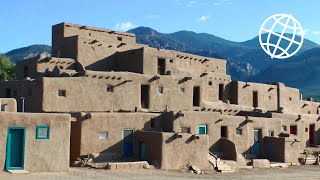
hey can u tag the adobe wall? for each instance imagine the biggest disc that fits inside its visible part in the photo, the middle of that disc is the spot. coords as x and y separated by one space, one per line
267 95
153 147
40 155
181 64
214 121
281 149
113 123
177 93
302 122
67 30
8 105
31 90
179 152
39 66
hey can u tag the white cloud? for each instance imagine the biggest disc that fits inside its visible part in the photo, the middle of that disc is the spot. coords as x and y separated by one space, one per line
191 3
317 33
125 26
222 2
203 18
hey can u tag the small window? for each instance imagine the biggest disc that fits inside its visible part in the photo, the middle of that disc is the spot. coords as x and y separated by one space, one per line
224 132
119 38
160 89
171 60
210 83
269 97
239 131
103 135
290 99
62 93
42 132
4 107
306 130
284 128
271 133
185 129
182 89
202 129
109 88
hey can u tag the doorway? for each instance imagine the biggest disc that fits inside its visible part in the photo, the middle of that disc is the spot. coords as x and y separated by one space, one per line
128 141
224 132
145 96
142 151
312 128
15 148
255 99
161 68
256 148
196 96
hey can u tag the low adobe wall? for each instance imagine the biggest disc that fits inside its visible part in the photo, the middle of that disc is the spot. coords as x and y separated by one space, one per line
174 151
280 149
48 155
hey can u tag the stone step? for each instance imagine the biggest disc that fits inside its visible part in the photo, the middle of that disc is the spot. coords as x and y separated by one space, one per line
226 171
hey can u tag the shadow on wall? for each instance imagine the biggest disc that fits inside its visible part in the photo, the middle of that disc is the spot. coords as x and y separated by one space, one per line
125 149
227 147
106 64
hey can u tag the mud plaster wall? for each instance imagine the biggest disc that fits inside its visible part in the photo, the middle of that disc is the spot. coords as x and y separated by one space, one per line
214 121
40 155
113 123
8 105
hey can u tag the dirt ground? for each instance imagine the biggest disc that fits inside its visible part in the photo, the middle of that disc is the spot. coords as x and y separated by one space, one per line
291 173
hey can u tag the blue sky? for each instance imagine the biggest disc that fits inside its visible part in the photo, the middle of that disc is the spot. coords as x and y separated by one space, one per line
24 23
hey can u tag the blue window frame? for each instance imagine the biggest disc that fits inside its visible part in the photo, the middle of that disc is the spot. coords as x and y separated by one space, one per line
202 129
43 132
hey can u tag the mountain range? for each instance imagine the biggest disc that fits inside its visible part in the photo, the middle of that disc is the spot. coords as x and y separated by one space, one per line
246 60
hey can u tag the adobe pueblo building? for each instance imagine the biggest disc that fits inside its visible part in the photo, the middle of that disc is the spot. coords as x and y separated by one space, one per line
129 102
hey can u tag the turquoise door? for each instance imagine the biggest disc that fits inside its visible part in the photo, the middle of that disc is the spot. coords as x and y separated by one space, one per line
15 148
142 151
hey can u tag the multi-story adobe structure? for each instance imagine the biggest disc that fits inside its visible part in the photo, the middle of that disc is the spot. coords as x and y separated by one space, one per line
167 107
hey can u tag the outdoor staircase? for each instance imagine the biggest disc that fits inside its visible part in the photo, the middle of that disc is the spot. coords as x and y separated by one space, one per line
219 165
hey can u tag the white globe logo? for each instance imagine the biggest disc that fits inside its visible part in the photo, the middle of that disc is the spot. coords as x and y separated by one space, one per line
281 36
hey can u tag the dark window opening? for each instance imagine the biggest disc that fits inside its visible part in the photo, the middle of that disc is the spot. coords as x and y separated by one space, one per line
160 89
109 88
185 130
119 38
271 133
196 96
239 131
62 93
210 83
3 107
284 128
8 93
161 69
221 89
293 129
171 60
25 71
152 123
224 131
255 99
145 96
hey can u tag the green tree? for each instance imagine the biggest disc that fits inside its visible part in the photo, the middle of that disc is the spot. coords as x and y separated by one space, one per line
7 69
